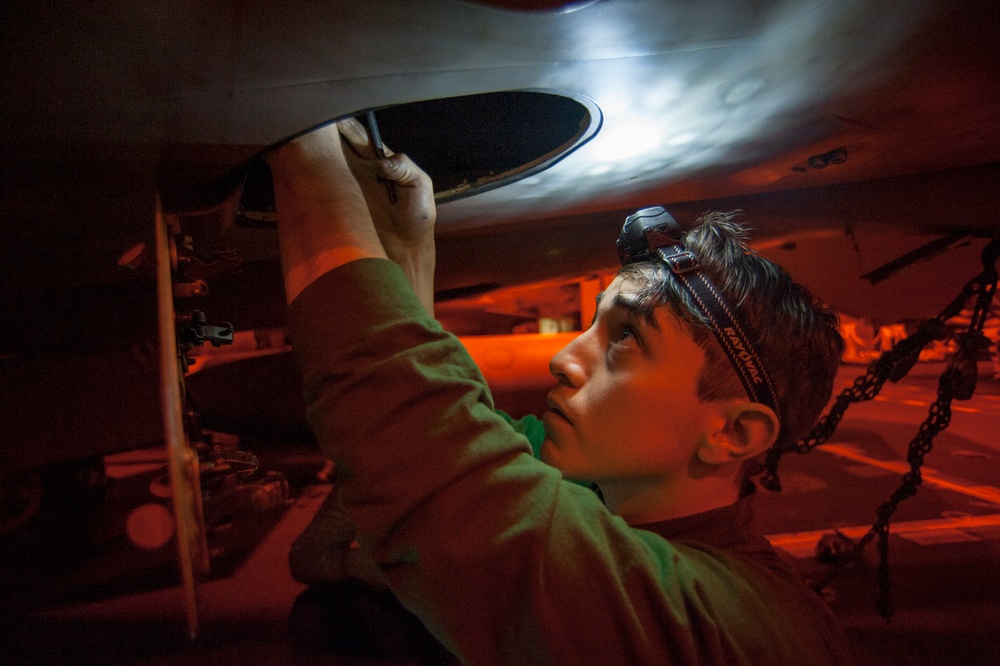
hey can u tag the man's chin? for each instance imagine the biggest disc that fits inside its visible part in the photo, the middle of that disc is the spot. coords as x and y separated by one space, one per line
552 455
549 454
545 454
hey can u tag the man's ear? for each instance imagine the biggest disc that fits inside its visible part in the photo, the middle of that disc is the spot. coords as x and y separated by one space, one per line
748 429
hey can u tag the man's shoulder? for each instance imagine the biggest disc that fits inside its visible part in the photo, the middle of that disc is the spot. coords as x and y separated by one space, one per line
740 575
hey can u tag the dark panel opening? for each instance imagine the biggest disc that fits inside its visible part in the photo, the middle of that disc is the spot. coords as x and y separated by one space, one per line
466 144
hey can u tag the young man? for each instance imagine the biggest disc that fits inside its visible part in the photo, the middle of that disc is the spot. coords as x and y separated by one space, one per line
685 377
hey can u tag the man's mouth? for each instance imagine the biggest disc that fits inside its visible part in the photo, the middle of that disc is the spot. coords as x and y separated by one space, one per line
555 409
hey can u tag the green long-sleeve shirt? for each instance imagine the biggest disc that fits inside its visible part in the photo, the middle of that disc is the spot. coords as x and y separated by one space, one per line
503 560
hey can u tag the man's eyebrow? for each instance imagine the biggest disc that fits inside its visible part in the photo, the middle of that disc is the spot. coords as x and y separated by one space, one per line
638 308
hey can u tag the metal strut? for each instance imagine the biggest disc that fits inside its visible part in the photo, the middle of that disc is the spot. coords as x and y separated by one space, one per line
192 548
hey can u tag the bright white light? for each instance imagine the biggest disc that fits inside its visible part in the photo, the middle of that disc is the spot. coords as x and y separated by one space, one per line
681 139
624 141
663 95
600 169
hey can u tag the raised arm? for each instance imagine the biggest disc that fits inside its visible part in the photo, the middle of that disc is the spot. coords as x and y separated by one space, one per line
406 226
333 208
323 219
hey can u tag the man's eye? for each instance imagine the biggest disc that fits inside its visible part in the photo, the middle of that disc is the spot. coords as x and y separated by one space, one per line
625 336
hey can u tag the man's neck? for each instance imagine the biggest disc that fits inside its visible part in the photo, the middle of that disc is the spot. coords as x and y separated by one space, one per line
644 502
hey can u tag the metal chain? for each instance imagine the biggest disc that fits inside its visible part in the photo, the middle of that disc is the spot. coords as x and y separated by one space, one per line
958 381
894 364
938 418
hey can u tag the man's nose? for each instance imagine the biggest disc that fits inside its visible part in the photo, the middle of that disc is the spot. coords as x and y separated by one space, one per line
567 365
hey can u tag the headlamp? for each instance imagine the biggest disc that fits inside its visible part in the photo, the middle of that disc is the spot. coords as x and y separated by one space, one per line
643 226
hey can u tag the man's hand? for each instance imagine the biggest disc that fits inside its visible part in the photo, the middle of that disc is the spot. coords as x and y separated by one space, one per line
406 227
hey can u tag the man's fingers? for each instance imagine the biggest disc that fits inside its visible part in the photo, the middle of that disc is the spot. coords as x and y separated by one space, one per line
356 135
400 169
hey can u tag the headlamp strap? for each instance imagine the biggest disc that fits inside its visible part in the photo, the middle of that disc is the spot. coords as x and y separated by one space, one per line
722 320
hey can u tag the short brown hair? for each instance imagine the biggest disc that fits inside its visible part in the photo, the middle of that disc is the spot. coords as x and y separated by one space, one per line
794 335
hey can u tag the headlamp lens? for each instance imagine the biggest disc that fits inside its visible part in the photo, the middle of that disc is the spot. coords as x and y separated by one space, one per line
644 231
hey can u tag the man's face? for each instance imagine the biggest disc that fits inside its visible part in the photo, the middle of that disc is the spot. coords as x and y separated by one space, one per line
626 409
